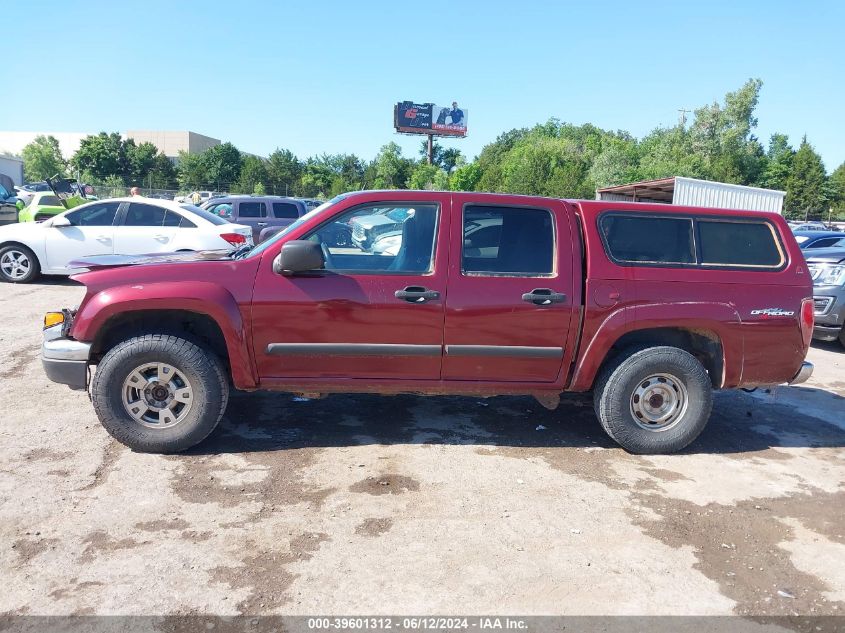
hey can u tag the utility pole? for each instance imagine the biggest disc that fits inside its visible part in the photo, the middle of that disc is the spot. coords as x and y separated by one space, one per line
682 116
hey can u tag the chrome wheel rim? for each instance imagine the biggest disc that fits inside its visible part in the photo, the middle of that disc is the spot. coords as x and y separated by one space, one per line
157 395
659 402
15 264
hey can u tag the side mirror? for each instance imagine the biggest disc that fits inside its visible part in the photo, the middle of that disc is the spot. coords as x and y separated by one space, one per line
60 221
299 256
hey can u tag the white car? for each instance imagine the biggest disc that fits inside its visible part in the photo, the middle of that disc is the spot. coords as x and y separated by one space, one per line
119 226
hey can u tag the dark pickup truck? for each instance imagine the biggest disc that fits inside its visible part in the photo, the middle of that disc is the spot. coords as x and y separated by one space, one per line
650 307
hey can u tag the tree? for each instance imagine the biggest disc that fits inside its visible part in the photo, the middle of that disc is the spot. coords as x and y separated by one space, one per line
253 173
837 189
721 136
162 175
283 171
778 163
466 177
42 159
140 161
101 155
191 170
391 168
806 190
423 175
317 176
222 165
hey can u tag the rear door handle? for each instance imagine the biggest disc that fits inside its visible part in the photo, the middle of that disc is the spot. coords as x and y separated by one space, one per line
544 297
261 224
416 294
162 238
103 238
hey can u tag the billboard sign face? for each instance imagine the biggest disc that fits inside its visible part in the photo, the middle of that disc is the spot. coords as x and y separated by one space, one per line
427 118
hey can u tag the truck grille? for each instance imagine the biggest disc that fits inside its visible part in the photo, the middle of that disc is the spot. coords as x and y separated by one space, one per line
822 304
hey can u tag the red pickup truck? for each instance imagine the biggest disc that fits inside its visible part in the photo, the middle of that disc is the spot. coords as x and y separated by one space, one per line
649 306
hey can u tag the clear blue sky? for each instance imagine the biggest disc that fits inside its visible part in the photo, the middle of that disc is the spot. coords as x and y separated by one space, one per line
319 77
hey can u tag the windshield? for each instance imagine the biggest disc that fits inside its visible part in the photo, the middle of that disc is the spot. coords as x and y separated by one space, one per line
313 212
205 215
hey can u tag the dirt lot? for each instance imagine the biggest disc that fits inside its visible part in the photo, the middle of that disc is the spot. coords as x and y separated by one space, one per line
396 505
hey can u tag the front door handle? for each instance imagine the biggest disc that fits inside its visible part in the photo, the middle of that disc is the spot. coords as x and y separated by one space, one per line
416 294
261 224
103 238
544 297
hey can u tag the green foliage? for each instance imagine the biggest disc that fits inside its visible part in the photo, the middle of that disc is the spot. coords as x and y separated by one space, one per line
837 190
162 175
283 171
42 159
191 171
253 173
259 189
392 170
423 176
140 161
806 188
778 163
222 165
102 155
466 177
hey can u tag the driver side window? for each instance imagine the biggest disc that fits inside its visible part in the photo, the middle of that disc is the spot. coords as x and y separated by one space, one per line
381 238
101 214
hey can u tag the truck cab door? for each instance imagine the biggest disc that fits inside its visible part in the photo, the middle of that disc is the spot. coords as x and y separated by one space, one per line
512 292
367 315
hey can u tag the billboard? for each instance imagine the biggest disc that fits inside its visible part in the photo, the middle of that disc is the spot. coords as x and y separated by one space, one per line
427 118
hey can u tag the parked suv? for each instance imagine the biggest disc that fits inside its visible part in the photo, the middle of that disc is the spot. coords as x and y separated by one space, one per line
650 307
268 215
827 269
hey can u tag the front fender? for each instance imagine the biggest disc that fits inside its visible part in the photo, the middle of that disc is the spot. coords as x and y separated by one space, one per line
719 319
206 298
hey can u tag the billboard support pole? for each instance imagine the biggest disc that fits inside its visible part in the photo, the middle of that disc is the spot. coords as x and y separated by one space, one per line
430 149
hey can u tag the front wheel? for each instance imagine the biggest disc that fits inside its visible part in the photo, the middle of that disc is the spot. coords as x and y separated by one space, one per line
654 400
158 393
18 264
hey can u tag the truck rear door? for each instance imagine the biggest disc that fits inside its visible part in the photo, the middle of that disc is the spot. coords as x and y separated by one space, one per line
512 296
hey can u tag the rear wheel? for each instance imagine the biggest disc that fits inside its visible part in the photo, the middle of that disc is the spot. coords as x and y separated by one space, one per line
159 393
18 264
653 400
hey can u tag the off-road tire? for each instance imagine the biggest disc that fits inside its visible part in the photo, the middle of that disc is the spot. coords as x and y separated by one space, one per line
618 382
203 368
34 267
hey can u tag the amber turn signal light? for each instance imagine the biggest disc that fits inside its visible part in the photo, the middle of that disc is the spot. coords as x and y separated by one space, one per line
53 318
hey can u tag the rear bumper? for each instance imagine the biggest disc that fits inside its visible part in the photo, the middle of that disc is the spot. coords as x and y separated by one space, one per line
65 361
826 332
803 374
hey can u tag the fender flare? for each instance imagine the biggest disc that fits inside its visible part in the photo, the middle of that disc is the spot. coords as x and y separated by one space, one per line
719 319
206 298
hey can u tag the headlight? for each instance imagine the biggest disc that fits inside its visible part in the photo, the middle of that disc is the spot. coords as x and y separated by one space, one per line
831 276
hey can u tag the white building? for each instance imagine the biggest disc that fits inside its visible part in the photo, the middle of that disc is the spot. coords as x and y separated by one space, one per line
12 166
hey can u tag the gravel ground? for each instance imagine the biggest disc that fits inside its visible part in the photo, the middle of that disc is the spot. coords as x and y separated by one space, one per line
397 505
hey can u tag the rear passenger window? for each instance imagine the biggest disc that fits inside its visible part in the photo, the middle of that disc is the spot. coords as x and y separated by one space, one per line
252 210
285 210
751 244
508 241
648 239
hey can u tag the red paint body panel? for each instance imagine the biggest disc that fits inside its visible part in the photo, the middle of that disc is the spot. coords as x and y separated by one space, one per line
256 308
